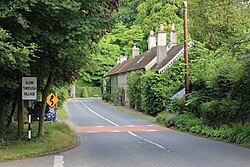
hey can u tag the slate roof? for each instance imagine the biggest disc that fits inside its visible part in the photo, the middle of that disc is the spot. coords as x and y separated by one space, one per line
142 60
171 54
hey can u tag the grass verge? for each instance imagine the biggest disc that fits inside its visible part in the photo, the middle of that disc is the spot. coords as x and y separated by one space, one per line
12 148
62 113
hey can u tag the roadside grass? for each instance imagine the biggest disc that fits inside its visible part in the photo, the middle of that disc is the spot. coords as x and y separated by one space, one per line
131 112
58 136
62 113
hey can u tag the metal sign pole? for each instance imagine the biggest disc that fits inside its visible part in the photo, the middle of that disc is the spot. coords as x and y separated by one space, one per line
29 125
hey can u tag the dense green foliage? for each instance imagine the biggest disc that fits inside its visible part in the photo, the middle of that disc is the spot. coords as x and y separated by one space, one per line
88 91
48 39
134 20
218 62
151 92
220 93
236 133
134 89
106 92
215 22
118 96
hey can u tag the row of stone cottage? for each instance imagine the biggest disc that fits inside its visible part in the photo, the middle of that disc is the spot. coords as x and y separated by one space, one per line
159 57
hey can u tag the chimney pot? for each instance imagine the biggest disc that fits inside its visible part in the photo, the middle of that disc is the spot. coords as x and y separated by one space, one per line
135 51
151 32
173 27
161 27
151 40
121 59
161 45
173 36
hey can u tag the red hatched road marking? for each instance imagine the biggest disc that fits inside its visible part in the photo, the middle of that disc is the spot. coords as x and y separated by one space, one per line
131 128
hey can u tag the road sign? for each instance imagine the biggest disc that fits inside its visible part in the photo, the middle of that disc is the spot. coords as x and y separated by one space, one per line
29 88
52 100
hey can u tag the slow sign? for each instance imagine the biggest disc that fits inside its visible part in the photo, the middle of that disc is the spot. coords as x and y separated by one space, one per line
29 88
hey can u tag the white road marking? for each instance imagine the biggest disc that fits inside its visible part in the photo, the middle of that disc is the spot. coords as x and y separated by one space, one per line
91 131
99 115
130 125
116 131
149 141
99 126
131 133
58 161
151 130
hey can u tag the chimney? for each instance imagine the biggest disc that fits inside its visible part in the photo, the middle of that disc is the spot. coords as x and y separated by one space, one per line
121 59
135 51
161 45
151 40
173 36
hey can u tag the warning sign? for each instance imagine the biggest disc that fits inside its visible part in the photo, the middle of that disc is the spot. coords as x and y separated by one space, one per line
52 100
29 88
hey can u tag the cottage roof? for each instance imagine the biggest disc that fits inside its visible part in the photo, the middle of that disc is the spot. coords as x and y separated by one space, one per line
142 60
172 55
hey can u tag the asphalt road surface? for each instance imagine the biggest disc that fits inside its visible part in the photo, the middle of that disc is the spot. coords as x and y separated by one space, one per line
109 138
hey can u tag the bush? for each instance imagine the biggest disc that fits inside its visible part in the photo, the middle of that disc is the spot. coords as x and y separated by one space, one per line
134 89
160 118
94 91
238 133
152 93
106 96
221 93
85 92
118 96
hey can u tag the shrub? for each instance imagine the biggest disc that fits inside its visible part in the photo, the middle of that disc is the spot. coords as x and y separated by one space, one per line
152 93
106 96
160 118
237 133
118 96
94 91
134 89
85 92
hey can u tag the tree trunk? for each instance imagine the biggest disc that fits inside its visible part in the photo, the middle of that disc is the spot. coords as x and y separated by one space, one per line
20 113
13 109
43 107
20 117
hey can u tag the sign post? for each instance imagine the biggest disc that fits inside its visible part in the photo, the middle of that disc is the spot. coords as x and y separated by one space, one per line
29 92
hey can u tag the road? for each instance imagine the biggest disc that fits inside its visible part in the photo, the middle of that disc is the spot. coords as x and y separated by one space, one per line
109 138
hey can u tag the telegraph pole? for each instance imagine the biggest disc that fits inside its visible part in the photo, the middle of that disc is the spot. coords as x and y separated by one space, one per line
186 47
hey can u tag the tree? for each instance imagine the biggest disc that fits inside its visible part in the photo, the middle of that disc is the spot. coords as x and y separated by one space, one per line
13 64
127 12
63 32
214 22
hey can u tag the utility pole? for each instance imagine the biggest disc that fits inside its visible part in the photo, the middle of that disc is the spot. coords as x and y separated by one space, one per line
186 47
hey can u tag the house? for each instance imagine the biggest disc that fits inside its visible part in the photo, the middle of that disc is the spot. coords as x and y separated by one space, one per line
159 57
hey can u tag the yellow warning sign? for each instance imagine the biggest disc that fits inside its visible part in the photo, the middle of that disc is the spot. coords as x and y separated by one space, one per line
52 100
